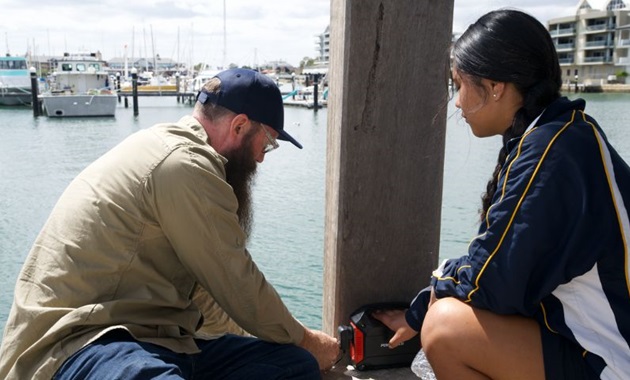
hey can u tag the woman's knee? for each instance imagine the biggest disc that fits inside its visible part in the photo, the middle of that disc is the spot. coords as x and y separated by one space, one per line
444 323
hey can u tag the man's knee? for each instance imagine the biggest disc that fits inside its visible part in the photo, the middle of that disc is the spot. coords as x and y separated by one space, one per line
306 364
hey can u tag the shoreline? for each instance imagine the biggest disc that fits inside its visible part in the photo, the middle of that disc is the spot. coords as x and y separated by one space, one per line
590 87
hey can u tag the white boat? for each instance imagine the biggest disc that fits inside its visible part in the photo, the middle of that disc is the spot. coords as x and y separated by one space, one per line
79 87
305 97
15 81
195 84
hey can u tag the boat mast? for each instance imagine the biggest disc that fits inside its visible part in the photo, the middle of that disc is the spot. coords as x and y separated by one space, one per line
126 72
146 61
133 51
224 39
178 49
190 51
155 68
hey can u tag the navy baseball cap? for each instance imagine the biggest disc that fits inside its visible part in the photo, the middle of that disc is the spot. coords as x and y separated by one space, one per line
253 94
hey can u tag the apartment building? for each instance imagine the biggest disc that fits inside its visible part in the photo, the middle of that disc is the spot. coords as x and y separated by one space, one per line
322 45
593 45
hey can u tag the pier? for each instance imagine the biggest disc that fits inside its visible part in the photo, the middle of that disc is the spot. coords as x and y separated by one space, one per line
311 102
182 96
151 90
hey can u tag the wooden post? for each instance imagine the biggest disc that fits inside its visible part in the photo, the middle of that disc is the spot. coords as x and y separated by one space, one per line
177 84
315 90
118 86
134 90
386 130
34 93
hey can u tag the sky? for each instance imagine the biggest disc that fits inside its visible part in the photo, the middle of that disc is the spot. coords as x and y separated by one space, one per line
191 31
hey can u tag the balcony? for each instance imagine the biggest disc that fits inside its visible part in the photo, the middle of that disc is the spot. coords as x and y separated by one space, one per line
565 46
623 43
597 59
596 44
598 28
565 61
560 32
592 28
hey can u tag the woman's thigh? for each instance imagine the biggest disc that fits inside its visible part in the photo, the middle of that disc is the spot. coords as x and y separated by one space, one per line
456 336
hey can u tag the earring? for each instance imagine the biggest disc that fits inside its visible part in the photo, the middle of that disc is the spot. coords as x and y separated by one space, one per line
494 95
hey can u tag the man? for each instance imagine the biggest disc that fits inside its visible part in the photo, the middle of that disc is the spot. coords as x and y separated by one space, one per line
107 289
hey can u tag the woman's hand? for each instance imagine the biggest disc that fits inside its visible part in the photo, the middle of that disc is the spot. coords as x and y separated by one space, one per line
395 321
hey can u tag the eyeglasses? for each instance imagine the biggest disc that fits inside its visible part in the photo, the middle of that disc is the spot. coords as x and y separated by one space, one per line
271 142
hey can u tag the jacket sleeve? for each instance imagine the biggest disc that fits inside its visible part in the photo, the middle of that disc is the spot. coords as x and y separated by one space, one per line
532 228
418 308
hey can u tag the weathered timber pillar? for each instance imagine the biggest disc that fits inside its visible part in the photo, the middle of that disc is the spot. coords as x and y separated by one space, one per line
134 90
34 93
386 129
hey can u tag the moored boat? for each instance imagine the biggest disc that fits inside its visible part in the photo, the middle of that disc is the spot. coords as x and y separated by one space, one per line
15 82
194 85
79 87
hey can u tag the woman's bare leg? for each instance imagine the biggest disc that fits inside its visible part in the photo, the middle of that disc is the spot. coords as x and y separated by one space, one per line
462 342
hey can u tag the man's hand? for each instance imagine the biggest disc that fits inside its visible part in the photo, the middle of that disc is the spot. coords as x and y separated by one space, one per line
395 321
324 347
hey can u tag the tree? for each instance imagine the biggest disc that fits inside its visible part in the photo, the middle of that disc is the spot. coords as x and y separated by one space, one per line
306 61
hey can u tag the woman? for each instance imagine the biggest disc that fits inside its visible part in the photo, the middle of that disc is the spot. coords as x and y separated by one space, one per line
544 291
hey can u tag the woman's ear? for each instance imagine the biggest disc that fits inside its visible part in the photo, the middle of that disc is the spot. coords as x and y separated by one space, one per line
497 90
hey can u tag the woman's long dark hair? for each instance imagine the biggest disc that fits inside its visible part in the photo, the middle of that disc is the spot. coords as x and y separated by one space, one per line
510 46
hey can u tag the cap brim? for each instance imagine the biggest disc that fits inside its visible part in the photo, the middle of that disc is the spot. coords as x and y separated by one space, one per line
287 137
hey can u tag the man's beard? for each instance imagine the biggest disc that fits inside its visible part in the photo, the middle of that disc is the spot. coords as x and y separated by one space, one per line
240 172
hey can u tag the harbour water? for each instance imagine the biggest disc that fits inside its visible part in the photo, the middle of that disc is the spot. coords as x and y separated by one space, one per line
40 156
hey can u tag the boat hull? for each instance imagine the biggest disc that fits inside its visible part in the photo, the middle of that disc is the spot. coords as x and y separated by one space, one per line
15 97
79 105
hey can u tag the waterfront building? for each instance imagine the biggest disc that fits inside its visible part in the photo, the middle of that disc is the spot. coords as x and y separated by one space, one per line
322 45
278 66
144 64
593 45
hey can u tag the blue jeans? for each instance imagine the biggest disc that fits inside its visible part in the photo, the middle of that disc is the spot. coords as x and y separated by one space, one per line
117 355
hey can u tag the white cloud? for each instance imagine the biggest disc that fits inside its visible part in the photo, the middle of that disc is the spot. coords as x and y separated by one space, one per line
468 11
256 31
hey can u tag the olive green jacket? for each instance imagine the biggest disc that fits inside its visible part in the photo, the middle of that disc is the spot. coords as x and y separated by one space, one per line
126 246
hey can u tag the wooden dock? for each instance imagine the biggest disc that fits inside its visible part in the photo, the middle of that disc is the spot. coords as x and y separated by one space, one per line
182 96
308 103
190 97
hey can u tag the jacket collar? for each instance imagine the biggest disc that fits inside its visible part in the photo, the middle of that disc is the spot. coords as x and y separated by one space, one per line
553 112
559 107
